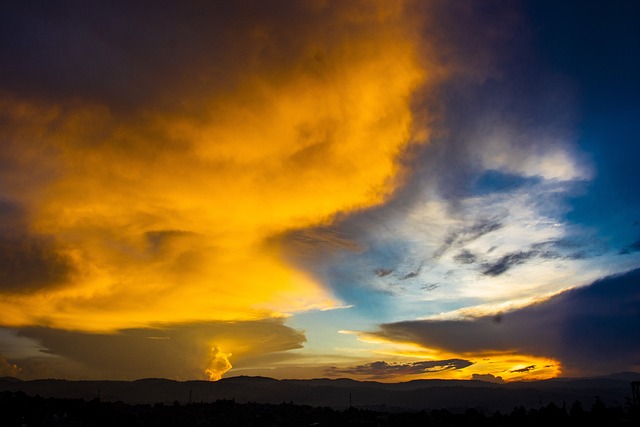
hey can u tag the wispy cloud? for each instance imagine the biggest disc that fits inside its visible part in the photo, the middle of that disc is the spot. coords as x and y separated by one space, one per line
468 233
507 261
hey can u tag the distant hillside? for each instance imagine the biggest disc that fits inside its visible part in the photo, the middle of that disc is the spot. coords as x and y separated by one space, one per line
338 393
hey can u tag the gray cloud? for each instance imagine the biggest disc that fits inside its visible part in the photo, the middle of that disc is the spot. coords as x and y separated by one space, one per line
507 261
382 272
411 274
179 351
591 330
75 50
429 286
490 378
573 248
465 257
29 263
469 234
382 369
8 369
525 369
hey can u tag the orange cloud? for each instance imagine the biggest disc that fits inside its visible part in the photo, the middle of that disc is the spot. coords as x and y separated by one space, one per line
405 360
163 210
219 364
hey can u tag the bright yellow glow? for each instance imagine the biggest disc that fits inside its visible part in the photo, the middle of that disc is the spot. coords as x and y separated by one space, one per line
509 366
218 365
514 367
169 216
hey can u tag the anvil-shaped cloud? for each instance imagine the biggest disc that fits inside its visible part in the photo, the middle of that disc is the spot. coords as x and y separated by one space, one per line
180 351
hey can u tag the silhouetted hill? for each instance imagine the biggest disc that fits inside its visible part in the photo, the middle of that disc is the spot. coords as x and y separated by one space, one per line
336 393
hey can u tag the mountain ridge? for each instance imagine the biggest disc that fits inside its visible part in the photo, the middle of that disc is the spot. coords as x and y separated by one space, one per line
340 393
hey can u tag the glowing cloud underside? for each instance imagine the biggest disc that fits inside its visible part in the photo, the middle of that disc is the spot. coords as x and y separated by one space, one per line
165 213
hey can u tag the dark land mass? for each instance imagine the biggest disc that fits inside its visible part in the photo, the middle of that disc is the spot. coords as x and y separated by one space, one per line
20 410
340 394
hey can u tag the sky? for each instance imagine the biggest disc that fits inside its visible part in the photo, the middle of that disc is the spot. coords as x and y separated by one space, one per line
377 190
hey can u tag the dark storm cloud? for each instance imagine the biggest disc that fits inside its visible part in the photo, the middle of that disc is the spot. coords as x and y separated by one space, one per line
10 214
131 55
590 330
382 369
8 369
502 93
28 262
490 378
525 369
180 351
128 54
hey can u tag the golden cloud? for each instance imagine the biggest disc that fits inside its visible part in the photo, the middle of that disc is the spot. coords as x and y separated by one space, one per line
165 209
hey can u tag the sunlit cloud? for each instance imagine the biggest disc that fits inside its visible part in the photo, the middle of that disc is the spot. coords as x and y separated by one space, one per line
583 330
410 356
8 369
219 364
293 188
145 210
181 351
382 369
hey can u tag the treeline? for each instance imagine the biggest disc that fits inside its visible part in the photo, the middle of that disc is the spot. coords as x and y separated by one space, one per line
19 409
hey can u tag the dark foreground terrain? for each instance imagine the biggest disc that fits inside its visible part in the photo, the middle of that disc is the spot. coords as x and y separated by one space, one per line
18 409
259 401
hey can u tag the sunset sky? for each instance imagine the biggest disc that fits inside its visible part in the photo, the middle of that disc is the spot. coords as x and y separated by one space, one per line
380 190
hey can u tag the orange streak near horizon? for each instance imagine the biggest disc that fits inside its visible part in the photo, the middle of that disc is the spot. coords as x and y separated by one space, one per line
508 365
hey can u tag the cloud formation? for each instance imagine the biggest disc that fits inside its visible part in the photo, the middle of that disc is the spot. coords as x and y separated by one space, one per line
8 369
29 262
171 143
382 369
506 262
203 350
209 167
481 223
219 364
590 330
487 378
